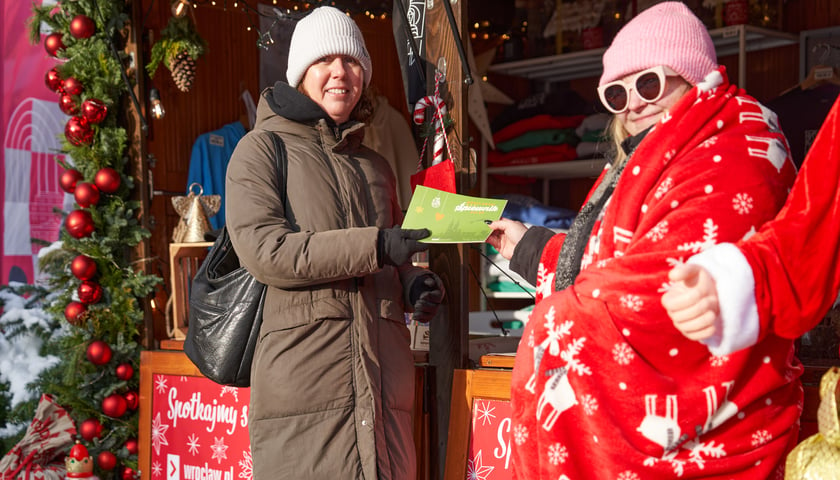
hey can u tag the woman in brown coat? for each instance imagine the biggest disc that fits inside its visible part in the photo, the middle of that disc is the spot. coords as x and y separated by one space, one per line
332 382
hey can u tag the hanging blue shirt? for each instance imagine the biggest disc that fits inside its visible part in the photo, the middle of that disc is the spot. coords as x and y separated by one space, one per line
208 163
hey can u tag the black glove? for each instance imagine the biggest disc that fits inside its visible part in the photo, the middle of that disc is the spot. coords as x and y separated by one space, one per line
425 294
395 246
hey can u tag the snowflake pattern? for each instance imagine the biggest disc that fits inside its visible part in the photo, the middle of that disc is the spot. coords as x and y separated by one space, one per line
663 188
484 412
476 470
159 433
658 232
760 437
219 449
231 390
192 443
156 469
628 475
246 465
718 361
589 404
622 353
632 302
520 434
742 203
709 143
710 234
557 454
160 384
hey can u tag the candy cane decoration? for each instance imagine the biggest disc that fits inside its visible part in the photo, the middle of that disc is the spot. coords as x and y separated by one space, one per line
440 130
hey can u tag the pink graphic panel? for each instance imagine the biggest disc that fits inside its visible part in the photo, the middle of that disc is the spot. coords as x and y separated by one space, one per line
30 127
488 457
199 430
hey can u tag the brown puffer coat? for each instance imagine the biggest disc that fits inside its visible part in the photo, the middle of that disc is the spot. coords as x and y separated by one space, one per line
332 382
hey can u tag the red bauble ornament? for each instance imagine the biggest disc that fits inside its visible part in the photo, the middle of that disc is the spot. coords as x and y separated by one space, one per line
83 267
53 43
69 179
131 400
90 429
128 474
125 371
94 110
73 312
68 105
82 26
78 131
79 223
86 194
71 86
90 292
53 80
106 460
131 445
99 353
114 405
107 179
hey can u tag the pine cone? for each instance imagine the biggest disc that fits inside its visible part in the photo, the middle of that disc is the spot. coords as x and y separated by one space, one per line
183 70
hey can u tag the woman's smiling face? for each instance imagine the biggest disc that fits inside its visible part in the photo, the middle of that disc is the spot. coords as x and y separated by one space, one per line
335 83
640 115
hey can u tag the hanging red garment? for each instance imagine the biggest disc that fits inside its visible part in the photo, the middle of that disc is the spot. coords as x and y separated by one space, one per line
604 386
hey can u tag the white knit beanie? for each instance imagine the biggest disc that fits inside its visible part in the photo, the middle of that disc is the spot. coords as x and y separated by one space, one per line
325 31
667 33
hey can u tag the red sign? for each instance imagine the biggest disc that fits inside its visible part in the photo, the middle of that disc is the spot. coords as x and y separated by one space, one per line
199 430
489 454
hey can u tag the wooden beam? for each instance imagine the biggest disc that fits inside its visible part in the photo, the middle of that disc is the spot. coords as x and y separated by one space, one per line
448 343
138 165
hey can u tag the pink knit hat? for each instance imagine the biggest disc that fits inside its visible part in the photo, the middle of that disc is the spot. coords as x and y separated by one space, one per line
667 33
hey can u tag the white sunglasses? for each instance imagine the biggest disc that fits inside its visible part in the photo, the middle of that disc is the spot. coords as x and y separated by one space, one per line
649 86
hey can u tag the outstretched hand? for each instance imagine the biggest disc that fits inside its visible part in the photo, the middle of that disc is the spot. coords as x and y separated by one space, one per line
506 234
692 302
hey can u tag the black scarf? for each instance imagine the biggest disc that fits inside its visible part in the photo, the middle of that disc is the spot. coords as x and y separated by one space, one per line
571 253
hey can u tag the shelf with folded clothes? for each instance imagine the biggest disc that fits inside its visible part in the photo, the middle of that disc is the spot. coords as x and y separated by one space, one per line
548 145
730 40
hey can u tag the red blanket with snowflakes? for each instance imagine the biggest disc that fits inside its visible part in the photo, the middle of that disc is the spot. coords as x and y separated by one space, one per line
604 386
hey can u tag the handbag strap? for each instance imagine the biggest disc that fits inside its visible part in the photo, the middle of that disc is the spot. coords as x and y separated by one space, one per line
282 164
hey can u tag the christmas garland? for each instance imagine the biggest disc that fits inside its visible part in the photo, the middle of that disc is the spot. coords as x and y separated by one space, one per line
96 288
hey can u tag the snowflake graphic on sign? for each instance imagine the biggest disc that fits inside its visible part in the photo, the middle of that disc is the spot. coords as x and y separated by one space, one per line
219 449
156 470
159 433
476 470
193 444
484 412
247 465
160 384
232 390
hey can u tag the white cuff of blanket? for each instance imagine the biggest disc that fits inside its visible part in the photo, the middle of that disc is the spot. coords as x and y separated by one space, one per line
736 296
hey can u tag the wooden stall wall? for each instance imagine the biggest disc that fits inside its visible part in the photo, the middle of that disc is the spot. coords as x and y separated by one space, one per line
229 67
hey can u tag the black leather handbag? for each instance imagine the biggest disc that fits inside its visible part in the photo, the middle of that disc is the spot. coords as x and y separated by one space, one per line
226 307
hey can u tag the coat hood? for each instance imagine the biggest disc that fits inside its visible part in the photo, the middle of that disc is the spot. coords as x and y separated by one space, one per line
288 103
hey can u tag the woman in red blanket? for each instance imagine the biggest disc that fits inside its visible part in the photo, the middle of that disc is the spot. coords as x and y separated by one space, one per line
604 386
780 281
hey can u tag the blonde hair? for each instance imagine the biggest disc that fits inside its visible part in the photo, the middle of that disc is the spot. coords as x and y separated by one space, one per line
618 134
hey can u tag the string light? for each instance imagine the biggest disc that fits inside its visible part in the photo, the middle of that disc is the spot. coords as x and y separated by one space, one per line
179 8
158 111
